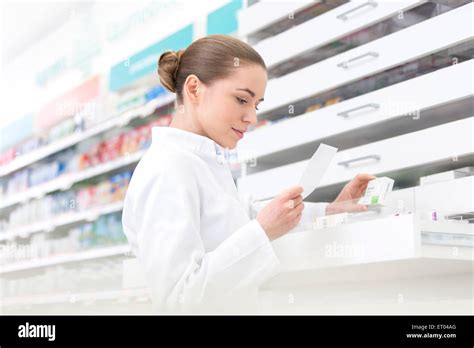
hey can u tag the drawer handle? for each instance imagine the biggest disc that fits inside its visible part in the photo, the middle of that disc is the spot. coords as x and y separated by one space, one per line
345 64
343 16
346 163
369 105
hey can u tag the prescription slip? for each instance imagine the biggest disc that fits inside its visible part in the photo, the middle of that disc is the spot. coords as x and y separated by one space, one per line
317 166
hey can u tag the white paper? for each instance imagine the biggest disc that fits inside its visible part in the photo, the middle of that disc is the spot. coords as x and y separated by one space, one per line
317 166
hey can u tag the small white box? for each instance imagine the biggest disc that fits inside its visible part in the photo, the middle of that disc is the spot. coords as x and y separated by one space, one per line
377 190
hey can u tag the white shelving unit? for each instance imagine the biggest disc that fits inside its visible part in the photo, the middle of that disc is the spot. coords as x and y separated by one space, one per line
65 258
383 259
22 270
116 121
141 294
405 109
61 220
66 181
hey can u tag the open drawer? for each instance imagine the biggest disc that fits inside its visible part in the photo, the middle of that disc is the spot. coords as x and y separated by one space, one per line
389 247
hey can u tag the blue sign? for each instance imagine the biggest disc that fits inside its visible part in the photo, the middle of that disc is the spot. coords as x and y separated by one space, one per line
224 19
145 62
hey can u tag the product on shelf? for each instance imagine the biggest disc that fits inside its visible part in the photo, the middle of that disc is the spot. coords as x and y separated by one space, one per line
155 92
332 101
105 231
327 221
7 156
131 99
313 107
106 192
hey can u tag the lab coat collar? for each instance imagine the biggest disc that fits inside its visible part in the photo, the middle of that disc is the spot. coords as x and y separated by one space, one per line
188 140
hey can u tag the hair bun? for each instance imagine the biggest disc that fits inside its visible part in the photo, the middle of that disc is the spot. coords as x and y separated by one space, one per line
168 66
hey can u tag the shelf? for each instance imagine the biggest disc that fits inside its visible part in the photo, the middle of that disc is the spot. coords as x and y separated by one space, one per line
66 181
266 13
65 258
418 103
71 298
379 249
280 48
369 59
117 121
62 220
445 146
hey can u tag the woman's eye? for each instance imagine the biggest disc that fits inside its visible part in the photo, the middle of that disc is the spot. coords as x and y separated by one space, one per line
241 101
256 108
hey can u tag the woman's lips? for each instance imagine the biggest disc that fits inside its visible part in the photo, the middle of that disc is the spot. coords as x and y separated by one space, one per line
239 133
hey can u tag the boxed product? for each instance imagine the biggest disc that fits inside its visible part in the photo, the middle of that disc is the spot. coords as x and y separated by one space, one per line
377 190
327 221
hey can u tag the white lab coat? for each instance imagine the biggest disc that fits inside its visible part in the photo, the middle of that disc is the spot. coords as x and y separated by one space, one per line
196 238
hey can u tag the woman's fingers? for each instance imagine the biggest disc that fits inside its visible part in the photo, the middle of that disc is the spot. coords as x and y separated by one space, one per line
298 200
291 193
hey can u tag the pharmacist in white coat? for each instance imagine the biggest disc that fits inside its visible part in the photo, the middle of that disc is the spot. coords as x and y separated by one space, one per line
203 248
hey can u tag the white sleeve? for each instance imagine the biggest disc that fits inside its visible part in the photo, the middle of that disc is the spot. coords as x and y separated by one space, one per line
183 277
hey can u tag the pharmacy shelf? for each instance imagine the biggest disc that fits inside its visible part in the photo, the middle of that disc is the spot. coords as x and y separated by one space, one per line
266 13
140 294
424 102
118 121
61 220
66 181
369 59
384 248
444 146
65 258
339 22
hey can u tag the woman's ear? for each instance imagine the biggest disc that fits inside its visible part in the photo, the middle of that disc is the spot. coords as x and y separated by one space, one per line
191 88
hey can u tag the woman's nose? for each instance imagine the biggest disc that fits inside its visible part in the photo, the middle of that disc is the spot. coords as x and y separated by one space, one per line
251 117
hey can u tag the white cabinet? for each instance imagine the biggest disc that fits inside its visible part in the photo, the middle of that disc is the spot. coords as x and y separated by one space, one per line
403 101
265 13
384 53
380 265
343 20
441 145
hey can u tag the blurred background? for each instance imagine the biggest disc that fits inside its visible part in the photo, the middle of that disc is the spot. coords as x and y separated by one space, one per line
387 83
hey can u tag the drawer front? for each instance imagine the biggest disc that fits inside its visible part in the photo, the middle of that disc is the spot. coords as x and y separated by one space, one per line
265 13
378 240
405 98
440 143
371 58
341 21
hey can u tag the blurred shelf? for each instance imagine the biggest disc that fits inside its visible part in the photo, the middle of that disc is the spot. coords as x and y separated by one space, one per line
266 13
287 45
379 249
369 59
65 258
66 181
444 147
425 101
64 219
117 121
71 297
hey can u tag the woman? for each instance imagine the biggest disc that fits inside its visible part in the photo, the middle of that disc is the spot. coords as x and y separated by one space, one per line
201 248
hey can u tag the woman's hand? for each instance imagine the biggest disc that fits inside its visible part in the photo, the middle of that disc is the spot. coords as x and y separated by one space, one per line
351 191
283 213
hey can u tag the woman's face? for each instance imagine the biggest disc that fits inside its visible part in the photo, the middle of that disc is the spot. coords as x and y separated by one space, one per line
229 106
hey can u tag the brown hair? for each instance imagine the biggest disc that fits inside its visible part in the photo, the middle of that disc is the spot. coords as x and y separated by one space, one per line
210 58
